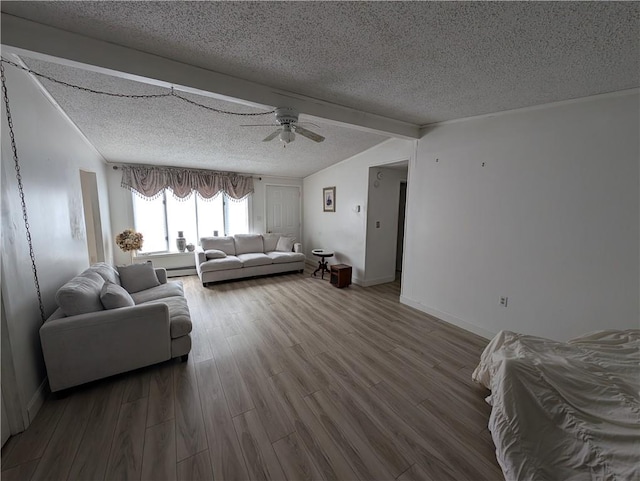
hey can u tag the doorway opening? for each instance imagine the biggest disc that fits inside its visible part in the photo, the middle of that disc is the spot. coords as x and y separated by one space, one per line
385 223
92 220
402 206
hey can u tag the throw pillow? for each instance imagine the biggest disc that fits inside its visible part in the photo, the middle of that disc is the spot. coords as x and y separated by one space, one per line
270 241
114 296
81 294
285 244
138 277
214 254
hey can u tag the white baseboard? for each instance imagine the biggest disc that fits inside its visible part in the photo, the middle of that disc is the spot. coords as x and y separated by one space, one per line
37 400
379 280
443 316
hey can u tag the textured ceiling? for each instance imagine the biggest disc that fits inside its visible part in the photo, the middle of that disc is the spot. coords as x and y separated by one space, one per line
167 131
419 62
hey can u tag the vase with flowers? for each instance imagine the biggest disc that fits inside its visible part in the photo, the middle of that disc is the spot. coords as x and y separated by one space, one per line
129 241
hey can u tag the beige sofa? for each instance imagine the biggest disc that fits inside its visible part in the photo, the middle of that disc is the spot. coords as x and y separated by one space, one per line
100 329
247 255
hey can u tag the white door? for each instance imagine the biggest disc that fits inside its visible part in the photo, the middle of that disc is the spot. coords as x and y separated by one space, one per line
283 209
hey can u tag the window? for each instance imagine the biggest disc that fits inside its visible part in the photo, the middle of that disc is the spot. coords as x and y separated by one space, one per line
159 220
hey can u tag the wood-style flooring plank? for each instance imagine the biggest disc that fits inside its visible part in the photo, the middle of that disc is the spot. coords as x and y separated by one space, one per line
322 451
137 385
195 468
125 459
237 394
358 451
21 472
32 442
57 458
415 473
159 456
275 422
294 460
459 449
261 460
161 394
224 449
190 433
92 456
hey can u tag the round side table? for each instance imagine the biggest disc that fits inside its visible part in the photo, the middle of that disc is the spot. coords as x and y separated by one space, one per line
322 263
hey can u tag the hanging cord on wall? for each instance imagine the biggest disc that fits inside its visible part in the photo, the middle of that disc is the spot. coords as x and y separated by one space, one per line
171 93
21 191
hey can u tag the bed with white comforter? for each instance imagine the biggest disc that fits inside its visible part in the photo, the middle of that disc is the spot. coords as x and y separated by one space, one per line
565 411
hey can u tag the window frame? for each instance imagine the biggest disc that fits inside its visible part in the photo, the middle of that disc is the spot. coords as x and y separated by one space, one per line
225 215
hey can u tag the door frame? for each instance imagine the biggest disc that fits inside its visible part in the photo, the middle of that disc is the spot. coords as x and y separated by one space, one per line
266 186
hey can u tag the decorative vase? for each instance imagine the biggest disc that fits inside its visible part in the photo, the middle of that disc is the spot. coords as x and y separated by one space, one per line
191 247
181 242
215 233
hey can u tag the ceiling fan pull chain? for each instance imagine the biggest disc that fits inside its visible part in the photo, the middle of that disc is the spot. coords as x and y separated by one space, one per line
21 191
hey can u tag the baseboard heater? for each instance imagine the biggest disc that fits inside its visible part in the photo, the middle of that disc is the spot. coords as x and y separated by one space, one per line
180 271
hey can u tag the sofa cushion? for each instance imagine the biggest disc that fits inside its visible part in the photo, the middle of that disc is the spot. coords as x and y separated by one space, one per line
214 254
170 289
106 271
270 241
179 318
285 244
224 244
114 296
229 262
284 257
138 277
248 243
81 294
255 259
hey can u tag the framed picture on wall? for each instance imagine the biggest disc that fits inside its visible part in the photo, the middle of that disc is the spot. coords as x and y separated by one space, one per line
329 199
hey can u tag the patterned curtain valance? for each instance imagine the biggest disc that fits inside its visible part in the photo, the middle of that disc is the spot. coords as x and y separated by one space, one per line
150 181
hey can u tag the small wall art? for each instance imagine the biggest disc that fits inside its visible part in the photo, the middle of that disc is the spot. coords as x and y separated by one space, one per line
329 199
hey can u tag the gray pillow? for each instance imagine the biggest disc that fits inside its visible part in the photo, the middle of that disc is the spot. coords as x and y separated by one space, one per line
285 244
215 254
114 296
81 294
138 277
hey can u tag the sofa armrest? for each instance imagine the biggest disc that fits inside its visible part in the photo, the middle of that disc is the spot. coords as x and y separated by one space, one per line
161 272
79 349
297 247
200 255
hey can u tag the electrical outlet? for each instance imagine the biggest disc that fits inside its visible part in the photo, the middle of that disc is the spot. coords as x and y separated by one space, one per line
504 301
377 224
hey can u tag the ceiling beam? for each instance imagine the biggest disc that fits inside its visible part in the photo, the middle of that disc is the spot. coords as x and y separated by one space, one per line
36 40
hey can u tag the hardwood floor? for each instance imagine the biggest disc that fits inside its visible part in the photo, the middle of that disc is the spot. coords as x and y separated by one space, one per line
288 378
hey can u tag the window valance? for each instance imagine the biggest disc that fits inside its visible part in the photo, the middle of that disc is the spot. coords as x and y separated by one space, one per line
151 181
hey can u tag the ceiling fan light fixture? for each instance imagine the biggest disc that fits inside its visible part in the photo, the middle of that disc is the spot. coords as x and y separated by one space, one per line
286 135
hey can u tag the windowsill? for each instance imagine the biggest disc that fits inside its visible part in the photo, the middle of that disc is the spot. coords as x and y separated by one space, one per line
157 255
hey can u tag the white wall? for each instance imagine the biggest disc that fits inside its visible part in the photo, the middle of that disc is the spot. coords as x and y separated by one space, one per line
551 220
122 207
344 231
51 153
384 198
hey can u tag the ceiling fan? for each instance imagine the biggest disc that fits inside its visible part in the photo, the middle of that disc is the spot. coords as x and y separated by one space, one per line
287 120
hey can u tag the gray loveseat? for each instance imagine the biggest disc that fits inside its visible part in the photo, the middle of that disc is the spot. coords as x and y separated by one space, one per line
247 255
101 329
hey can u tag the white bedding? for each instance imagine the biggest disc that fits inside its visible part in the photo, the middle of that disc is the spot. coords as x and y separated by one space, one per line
565 411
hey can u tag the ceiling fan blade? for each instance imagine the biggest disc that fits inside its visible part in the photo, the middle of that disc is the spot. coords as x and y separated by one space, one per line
271 136
308 134
259 125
